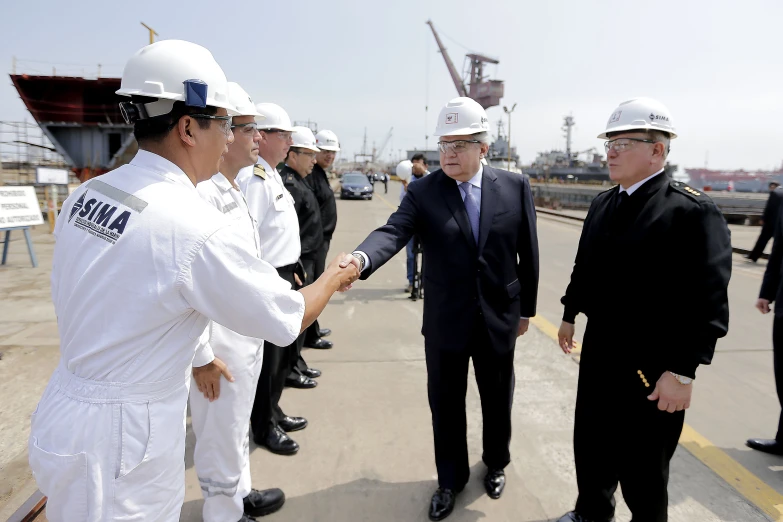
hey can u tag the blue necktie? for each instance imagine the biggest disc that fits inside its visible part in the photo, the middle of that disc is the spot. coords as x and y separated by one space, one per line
471 205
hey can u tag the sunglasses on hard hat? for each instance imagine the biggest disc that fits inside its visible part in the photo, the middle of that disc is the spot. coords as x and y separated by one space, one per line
223 121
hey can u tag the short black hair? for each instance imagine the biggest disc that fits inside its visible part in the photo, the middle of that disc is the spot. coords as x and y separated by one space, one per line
419 156
290 150
157 128
774 184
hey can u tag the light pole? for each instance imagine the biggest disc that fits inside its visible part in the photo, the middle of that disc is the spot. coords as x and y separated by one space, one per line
507 111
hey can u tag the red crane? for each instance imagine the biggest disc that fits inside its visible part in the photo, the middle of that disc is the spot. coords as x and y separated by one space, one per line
486 92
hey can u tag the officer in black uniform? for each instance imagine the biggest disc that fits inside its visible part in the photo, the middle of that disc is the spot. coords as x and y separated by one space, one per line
771 291
328 147
298 165
769 220
651 274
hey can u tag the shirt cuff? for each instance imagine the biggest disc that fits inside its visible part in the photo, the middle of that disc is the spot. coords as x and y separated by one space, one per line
366 259
525 318
204 355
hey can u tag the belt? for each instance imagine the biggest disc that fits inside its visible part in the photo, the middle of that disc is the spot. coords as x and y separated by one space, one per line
288 269
117 392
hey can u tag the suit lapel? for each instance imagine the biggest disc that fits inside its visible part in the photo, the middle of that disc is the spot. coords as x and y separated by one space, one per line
451 195
489 200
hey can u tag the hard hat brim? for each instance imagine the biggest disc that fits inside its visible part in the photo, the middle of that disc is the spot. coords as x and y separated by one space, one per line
639 128
330 148
282 128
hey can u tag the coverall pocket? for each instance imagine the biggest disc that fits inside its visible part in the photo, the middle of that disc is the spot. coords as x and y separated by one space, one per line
63 479
135 436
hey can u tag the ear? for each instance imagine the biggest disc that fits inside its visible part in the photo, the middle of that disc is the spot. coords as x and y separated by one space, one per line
484 149
659 149
185 128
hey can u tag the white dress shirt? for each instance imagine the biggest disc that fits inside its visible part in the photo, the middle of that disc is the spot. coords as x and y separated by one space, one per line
630 190
272 207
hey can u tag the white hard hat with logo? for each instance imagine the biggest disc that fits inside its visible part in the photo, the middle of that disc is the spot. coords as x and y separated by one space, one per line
275 117
462 116
404 170
642 114
169 71
241 101
304 139
327 140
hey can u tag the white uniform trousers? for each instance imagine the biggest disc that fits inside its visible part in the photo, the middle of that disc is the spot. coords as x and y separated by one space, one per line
125 458
222 456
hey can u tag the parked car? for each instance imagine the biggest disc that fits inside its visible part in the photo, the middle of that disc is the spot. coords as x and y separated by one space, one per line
355 185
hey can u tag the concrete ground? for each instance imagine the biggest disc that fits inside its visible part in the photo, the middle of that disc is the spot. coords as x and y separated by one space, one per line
367 453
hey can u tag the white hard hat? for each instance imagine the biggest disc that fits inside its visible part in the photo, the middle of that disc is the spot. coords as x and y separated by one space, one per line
404 170
640 114
242 102
304 139
174 70
274 117
462 116
327 140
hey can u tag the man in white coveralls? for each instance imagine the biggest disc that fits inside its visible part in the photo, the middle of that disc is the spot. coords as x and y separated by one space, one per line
222 456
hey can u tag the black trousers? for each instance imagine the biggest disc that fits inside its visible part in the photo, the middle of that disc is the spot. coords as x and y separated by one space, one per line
620 437
299 365
277 364
447 381
311 334
777 350
767 231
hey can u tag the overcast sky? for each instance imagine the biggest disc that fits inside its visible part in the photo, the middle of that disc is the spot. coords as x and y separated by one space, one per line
717 64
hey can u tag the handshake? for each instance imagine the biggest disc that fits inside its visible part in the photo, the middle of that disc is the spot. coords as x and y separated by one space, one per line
344 270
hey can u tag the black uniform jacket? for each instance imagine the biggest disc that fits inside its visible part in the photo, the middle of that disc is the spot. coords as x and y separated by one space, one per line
325 196
498 277
310 230
771 289
652 276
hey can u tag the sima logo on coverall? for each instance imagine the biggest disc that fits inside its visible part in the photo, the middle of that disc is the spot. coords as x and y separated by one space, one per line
98 218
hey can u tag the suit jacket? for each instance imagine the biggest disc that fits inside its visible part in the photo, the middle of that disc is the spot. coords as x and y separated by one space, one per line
498 277
652 277
771 288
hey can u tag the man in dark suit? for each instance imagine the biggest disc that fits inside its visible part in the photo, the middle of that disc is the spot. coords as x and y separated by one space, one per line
771 291
478 228
651 274
769 219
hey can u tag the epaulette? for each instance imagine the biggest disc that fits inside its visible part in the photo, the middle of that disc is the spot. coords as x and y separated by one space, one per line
260 171
682 188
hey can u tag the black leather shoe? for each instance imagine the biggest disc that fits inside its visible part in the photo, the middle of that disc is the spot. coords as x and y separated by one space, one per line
246 518
279 443
320 344
302 382
442 503
324 332
494 482
290 424
766 445
573 516
260 503
312 373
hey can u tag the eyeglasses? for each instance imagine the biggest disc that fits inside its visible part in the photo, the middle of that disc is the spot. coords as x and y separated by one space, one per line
622 144
285 135
223 121
247 128
311 154
455 146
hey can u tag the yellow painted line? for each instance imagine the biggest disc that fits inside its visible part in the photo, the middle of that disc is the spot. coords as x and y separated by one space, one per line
755 490
393 207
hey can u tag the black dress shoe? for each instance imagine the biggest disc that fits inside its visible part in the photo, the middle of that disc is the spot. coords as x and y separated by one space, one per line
771 446
324 332
442 503
290 424
260 503
312 373
573 516
246 518
494 482
302 382
320 344
279 443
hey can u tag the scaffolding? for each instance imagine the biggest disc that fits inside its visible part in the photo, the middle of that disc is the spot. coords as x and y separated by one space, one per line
23 147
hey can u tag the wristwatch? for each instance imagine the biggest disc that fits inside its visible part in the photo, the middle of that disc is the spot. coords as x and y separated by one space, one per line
361 260
682 379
